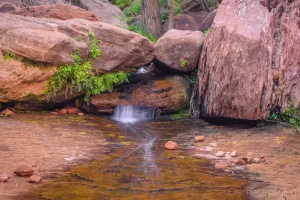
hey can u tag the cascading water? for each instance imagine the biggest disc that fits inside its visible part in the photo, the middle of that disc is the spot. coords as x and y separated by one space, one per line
132 114
128 115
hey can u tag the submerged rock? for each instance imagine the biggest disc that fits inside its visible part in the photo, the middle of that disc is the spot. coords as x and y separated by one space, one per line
220 154
221 166
35 179
250 60
24 171
199 138
179 49
168 94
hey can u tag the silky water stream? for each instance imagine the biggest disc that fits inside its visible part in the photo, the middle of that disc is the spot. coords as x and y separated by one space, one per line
138 167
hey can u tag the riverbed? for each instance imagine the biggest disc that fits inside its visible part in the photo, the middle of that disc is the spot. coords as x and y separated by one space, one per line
93 157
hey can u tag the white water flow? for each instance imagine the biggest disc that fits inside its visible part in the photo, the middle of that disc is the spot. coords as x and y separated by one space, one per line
141 70
128 115
132 114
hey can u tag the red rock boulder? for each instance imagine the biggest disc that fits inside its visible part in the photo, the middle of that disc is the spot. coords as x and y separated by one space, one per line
62 12
179 49
250 60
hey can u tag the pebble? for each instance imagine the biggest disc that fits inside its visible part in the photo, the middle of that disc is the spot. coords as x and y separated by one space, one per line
199 138
241 162
233 154
62 111
24 171
35 179
256 160
80 114
171 145
221 166
220 154
3 178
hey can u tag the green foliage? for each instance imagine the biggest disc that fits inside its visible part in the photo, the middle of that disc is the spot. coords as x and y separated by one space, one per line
7 56
291 115
183 113
177 8
122 3
183 62
94 49
80 77
206 31
138 29
134 9
212 4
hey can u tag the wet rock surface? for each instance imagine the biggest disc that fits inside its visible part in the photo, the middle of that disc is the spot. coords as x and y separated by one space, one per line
168 94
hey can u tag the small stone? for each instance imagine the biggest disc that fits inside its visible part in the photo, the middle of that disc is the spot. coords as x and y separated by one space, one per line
62 111
24 171
241 162
250 160
233 154
221 166
54 113
220 154
199 138
72 110
256 160
171 145
263 160
80 114
35 179
262 156
3 178
7 112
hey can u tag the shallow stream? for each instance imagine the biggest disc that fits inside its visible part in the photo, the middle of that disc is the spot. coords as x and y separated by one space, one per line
136 166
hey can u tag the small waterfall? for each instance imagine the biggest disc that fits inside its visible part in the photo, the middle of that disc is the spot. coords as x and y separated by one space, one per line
132 114
141 70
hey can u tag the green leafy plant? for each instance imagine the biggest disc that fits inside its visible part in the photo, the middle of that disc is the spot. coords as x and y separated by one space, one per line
291 115
206 31
7 56
122 3
138 29
80 76
183 62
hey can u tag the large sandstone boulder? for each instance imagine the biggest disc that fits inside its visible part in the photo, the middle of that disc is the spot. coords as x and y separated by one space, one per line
168 94
250 61
51 42
61 11
103 9
189 21
106 12
179 49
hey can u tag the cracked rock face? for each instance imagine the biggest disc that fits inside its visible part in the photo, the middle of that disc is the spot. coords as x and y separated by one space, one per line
251 60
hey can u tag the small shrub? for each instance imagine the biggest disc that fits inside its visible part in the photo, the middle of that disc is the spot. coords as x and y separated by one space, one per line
80 76
206 31
7 56
183 62
291 115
